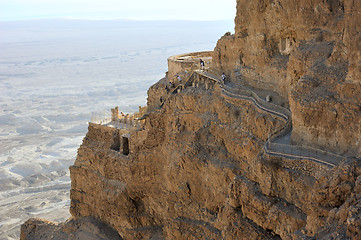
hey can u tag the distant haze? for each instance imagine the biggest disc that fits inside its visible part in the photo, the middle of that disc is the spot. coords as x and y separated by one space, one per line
55 76
117 9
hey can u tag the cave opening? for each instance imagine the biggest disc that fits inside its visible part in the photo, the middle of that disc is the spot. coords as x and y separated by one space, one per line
125 146
116 144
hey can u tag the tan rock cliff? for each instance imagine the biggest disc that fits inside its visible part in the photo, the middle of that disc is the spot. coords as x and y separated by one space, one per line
309 52
232 161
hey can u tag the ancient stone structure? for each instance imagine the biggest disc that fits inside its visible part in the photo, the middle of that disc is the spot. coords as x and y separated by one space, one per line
186 63
272 153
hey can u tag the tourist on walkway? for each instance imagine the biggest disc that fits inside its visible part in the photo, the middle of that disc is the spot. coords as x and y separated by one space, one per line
223 77
202 64
179 78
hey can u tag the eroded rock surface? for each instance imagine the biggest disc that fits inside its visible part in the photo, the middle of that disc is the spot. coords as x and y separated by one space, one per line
309 52
82 228
208 162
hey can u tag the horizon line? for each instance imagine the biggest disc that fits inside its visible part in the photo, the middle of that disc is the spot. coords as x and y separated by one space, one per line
112 19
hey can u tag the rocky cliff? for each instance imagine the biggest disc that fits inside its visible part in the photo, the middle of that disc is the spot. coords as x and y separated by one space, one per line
232 160
309 52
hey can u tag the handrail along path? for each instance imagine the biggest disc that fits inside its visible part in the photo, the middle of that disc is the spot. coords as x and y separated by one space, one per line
272 148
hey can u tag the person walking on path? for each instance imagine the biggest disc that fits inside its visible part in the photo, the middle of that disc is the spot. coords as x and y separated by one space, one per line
201 62
223 78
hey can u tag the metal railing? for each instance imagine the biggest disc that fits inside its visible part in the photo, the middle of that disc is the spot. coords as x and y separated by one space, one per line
100 118
271 148
303 153
277 149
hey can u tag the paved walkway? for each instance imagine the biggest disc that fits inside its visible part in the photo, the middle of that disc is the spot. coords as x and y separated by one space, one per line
279 143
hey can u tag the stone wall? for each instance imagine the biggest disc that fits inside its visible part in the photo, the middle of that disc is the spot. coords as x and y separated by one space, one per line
178 64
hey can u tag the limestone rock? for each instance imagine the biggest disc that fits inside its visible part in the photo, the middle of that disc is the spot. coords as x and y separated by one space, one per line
202 165
309 52
84 228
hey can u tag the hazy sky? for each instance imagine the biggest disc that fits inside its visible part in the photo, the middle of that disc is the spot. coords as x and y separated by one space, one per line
109 9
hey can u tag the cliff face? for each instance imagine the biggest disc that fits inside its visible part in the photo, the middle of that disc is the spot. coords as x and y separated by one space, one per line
309 52
197 170
178 175
215 161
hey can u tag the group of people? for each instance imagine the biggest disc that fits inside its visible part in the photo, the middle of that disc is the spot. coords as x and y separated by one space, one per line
179 78
171 84
202 63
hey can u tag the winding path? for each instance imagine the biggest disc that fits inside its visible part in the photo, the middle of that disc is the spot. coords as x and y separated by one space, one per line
273 147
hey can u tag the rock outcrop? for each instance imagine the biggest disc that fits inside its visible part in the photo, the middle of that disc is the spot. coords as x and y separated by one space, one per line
231 160
79 229
309 52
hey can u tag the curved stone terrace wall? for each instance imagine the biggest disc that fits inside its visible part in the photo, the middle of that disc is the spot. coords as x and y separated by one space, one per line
186 63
